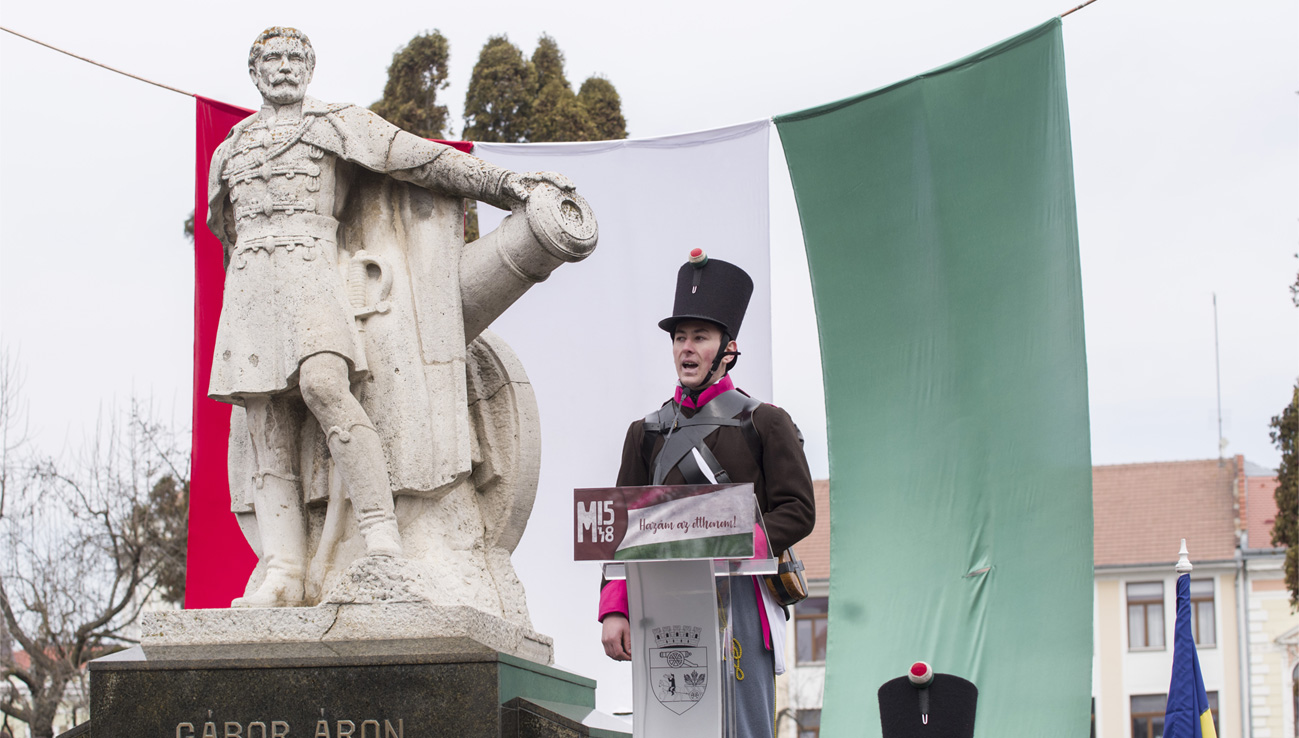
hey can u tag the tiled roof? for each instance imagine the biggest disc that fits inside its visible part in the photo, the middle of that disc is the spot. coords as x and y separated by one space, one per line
814 550
1143 510
1260 509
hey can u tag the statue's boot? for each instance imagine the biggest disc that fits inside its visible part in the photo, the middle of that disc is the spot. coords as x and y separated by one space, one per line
358 456
283 533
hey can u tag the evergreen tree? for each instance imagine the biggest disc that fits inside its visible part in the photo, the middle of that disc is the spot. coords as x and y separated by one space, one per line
1285 531
1285 434
416 74
501 90
511 99
548 60
604 108
557 115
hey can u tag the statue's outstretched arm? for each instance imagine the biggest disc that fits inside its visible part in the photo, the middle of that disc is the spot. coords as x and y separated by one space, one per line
441 168
454 172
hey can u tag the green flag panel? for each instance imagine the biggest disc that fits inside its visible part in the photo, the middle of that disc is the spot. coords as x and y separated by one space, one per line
942 239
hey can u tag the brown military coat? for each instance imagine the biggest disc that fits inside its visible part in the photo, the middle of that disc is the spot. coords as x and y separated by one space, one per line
783 482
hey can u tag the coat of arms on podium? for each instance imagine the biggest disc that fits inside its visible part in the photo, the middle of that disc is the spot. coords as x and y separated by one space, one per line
678 667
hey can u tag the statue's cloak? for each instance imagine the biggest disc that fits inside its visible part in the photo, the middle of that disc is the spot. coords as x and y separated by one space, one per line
415 390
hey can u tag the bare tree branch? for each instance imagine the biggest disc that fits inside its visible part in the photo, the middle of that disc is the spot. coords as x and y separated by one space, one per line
82 545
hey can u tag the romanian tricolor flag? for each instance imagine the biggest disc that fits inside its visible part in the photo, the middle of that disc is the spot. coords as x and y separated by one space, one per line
1187 714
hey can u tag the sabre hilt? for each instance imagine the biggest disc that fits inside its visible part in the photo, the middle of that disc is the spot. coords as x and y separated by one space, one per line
358 285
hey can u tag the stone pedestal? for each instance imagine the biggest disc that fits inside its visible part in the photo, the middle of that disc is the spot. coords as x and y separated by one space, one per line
344 627
429 688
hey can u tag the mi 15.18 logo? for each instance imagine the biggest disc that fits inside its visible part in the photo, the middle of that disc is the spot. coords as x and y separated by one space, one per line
596 517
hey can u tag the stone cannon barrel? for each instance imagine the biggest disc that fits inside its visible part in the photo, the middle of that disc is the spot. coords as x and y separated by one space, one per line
554 227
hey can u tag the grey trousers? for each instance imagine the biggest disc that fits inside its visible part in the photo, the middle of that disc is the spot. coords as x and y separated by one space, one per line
755 710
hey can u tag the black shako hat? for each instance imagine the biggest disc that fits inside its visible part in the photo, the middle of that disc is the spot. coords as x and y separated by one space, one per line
923 704
712 290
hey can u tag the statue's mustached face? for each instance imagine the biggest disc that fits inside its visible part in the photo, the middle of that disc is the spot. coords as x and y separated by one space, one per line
282 72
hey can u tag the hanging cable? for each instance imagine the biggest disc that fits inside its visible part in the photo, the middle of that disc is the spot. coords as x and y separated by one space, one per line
1080 7
98 64
190 94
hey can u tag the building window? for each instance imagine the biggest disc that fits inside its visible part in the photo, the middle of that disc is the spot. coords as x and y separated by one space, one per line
809 722
1202 623
1145 616
810 629
1148 715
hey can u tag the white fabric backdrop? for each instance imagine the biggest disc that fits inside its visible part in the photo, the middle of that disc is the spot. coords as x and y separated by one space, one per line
589 338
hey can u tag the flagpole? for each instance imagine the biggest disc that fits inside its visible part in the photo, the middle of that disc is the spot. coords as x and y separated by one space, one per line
1187 714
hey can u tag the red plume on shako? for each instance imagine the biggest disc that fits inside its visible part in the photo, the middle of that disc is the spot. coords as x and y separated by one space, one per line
698 259
921 674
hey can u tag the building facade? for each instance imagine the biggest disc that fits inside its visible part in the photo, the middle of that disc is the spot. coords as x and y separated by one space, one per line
1246 631
1243 623
800 690
1272 627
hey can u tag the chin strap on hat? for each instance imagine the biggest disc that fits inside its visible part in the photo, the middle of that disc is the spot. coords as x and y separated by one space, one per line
694 392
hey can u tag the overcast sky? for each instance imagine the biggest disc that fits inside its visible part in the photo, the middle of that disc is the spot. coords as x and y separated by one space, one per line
1184 147
1184 135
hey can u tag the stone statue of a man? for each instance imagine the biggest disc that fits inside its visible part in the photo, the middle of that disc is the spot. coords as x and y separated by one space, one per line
340 277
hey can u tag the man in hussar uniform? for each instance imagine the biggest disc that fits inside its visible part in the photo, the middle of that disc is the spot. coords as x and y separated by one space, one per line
746 441
289 326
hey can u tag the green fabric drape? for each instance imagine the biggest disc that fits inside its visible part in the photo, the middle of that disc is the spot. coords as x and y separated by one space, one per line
942 239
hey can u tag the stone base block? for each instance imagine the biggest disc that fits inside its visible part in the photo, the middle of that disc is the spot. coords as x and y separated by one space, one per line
341 628
522 718
339 689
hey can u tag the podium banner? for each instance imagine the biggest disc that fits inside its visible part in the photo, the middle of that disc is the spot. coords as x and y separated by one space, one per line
697 521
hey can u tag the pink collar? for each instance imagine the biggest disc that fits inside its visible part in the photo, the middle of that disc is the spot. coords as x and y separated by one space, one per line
723 385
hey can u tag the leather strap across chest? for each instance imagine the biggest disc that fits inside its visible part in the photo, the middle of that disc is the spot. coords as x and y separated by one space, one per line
686 435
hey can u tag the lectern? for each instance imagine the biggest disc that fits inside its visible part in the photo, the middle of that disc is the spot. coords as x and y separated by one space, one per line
678 548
